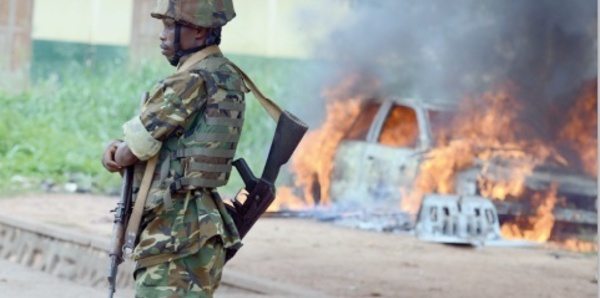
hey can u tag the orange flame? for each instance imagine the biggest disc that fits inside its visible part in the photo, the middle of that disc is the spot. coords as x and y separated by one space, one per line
537 227
401 128
582 121
313 162
577 245
484 133
290 201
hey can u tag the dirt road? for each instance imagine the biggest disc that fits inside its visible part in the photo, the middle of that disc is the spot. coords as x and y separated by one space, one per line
344 262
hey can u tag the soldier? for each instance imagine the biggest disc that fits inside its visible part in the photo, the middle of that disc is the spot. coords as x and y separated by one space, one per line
192 122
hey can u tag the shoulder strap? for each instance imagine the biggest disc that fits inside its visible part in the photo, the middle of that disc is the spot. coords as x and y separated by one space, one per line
197 57
272 108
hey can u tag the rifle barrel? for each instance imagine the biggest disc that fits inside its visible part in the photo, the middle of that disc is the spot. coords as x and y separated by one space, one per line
118 235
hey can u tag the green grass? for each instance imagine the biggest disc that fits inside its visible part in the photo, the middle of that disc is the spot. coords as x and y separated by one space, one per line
58 128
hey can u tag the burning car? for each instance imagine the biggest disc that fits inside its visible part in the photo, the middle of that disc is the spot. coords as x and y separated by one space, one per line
388 153
391 153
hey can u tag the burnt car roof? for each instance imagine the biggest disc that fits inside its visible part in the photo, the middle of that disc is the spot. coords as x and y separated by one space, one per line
435 105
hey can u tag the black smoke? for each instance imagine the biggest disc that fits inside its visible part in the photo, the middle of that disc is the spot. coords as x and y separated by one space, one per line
444 50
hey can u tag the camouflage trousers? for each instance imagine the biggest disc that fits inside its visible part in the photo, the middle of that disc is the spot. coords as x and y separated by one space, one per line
197 275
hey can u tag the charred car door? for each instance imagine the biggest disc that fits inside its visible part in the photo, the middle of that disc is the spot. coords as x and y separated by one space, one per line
384 164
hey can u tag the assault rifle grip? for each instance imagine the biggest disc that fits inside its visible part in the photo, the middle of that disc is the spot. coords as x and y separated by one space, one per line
246 173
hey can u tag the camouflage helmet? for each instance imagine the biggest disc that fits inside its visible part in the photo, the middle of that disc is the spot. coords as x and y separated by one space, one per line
198 13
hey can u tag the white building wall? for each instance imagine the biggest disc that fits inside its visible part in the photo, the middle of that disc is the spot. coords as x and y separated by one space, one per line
275 28
84 21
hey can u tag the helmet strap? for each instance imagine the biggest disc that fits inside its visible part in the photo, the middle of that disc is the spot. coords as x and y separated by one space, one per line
179 52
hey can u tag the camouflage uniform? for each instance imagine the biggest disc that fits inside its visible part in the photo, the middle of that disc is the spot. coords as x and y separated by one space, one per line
181 250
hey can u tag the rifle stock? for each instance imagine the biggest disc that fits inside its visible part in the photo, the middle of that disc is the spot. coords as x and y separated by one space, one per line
290 130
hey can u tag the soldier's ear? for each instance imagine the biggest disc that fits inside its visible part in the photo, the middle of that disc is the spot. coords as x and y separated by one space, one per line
201 33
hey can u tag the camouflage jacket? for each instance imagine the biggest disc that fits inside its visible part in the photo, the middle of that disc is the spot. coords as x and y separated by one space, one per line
166 118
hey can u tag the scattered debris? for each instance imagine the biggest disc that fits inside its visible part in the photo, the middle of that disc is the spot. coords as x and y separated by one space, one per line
79 182
392 221
376 221
48 185
70 187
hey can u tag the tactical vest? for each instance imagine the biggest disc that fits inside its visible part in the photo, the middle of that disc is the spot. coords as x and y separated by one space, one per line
199 153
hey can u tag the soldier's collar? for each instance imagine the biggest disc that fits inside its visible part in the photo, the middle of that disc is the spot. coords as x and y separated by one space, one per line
192 59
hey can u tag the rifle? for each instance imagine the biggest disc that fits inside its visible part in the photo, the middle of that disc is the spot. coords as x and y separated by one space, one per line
288 133
122 212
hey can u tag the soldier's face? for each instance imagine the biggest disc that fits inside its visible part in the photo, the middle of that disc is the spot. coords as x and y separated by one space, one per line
167 38
188 38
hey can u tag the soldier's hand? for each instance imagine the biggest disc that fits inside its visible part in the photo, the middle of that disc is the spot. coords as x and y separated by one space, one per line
123 156
108 158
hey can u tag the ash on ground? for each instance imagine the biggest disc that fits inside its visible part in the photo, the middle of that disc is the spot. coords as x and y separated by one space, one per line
379 220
